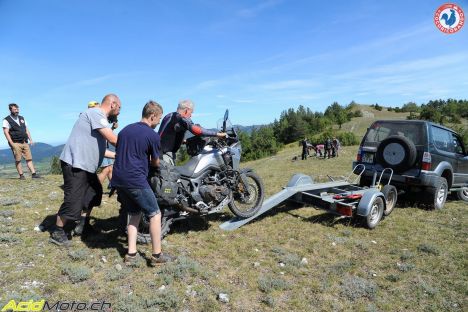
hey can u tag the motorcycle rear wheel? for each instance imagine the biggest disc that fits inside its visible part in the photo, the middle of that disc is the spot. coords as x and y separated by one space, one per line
246 207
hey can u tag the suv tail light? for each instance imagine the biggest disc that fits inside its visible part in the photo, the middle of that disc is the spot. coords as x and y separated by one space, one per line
359 156
426 161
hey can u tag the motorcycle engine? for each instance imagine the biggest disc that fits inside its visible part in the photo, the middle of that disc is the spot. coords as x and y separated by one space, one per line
213 193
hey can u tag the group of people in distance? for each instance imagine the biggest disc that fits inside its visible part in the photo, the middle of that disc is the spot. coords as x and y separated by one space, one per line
330 148
137 148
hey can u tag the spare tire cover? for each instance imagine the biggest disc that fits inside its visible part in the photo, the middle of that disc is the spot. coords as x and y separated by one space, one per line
396 152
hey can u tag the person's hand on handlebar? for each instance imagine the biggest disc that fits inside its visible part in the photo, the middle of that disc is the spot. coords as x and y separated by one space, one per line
222 135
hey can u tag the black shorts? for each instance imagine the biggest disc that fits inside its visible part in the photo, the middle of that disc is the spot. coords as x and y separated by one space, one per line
82 192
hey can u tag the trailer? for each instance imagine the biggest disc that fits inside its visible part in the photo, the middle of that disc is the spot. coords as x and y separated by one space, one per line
340 197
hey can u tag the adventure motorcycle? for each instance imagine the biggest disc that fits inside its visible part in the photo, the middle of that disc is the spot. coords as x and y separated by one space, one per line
211 180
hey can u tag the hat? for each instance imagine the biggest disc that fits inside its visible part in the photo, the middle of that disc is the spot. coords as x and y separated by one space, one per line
92 104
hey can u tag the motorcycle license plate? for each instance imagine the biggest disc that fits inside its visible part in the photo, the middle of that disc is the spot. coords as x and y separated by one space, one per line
368 158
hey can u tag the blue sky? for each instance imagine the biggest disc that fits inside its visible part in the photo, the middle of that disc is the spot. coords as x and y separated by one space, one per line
256 58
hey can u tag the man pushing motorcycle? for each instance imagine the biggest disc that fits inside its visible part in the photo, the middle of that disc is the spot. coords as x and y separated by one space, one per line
173 127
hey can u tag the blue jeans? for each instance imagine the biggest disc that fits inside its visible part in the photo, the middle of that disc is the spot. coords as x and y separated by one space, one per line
135 201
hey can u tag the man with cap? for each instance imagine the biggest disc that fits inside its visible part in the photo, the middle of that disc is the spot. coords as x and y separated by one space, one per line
17 134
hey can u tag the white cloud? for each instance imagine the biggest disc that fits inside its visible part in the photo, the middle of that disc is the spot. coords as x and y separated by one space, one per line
207 84
254 11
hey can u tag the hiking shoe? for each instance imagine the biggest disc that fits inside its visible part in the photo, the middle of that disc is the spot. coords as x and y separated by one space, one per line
22 177
131 260
35 176
163 258
59 237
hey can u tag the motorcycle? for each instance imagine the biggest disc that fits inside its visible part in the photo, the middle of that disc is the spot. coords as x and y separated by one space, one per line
210 180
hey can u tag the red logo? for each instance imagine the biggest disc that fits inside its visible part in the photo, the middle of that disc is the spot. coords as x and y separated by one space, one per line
449 18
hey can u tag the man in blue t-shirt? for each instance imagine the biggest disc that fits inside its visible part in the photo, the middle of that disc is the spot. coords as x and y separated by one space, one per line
138 145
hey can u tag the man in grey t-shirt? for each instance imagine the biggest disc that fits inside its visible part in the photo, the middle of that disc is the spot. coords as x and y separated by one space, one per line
80 158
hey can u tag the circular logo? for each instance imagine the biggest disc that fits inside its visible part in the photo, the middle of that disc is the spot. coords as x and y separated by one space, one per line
449 18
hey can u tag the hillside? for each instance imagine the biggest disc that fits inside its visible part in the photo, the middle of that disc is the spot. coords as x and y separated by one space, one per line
293 259
40 152
359 125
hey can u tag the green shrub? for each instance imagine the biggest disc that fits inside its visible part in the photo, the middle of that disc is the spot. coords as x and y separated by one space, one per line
55 167
78 255
354 288
429 249
268 283
76 273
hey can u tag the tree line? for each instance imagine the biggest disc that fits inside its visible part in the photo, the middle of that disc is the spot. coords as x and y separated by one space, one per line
294 125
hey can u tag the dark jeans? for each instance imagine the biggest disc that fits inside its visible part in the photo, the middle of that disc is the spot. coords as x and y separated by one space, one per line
82 191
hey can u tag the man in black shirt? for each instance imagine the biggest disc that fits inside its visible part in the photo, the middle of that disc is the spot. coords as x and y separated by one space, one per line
17 134
173 128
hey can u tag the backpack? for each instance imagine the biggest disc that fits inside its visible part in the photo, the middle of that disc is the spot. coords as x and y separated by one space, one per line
164 184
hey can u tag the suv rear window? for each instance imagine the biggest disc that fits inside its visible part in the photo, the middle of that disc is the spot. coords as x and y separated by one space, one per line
379 131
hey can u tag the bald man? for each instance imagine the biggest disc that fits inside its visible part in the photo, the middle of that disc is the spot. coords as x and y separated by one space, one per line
80 158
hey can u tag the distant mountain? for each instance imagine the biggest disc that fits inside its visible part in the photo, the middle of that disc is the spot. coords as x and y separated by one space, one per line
247 129
40 151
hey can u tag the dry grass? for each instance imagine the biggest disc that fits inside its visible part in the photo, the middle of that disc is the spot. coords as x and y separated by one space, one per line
415 260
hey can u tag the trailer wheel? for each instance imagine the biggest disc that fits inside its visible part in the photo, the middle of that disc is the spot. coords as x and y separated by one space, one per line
375 213
391 196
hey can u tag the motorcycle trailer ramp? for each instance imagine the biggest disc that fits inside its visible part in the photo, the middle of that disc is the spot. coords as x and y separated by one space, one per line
298 184
342 198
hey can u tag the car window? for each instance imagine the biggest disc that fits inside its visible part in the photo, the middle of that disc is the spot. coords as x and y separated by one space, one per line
443 139
458 146
379 131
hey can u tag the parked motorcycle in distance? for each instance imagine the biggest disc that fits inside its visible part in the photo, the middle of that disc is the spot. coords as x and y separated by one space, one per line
211 180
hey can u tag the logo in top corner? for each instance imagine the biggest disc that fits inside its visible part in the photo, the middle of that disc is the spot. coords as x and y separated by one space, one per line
449 18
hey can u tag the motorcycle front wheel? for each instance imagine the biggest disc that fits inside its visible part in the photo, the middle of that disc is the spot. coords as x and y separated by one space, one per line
247 199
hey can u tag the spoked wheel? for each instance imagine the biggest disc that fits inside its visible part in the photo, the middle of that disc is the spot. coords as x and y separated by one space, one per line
144 237
391 196
247 198
375 213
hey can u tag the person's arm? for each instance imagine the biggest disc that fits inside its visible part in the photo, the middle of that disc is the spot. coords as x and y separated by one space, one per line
6 131
109 154
108 135
154 162
200 131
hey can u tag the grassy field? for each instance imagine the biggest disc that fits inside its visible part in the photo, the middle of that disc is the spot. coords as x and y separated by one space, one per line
9 170
291 259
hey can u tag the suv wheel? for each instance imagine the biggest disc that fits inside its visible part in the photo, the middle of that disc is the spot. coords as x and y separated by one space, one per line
463 194
396 152
438 195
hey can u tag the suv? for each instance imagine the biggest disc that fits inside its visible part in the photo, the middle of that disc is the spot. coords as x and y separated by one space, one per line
426 158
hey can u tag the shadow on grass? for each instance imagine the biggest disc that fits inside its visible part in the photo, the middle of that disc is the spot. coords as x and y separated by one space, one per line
109 235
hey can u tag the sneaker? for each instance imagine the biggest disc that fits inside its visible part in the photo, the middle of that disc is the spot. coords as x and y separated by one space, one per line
59 238
22 177
35 176
163 258
131 260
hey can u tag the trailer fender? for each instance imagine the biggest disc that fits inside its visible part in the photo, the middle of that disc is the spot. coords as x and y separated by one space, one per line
366 201
300 179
